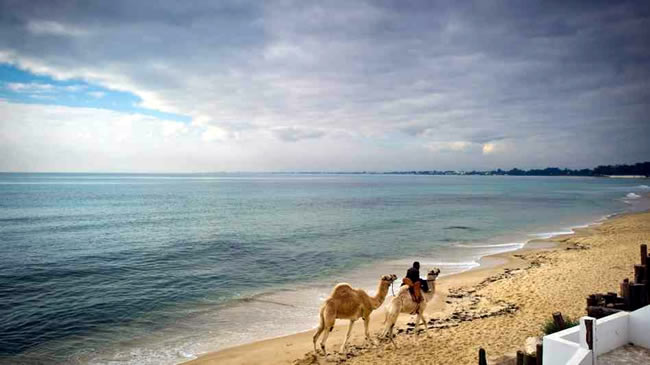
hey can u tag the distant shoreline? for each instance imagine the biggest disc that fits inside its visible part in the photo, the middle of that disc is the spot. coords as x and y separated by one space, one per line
374 173
640 170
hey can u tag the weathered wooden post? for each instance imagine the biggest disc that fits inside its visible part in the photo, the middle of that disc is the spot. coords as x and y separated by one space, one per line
589 326
529 359
645 261
559 320
591 301
638 296
625 292
639 274
600 312
482 359
539 353
520 358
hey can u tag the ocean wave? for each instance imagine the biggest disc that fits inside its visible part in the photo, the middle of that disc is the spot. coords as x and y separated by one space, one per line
460 227
581 226
497 245
632 196
643 187
550 234
453 264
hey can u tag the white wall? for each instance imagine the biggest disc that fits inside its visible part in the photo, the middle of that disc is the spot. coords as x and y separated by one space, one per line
612 332
581 357
569 347
573 336
639 327
559 350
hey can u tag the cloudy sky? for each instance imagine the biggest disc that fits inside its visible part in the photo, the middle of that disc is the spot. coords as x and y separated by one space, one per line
192 86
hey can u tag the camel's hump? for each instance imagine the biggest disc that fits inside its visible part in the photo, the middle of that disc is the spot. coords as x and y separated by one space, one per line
342 287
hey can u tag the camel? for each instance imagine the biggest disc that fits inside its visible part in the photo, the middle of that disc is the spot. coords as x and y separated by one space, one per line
403 303
347 302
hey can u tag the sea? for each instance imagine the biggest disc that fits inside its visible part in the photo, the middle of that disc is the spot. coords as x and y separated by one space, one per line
160 268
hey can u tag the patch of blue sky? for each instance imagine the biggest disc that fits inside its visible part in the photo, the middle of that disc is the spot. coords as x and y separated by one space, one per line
25 87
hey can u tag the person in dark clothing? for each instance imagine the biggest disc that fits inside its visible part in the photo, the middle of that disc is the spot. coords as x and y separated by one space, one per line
413 274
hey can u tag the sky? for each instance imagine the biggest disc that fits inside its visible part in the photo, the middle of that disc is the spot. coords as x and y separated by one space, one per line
206 86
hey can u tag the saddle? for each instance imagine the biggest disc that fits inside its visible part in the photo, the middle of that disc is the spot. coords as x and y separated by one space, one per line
415 289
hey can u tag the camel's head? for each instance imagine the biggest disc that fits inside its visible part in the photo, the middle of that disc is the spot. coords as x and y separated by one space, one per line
433 274
389 278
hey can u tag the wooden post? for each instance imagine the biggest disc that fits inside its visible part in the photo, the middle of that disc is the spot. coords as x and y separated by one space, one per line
600 312
520 358
647 282
625 291
559 320
589 325
599 298
592 301
646 277
540 354
482 360
529 359
644 295
639 274
638 296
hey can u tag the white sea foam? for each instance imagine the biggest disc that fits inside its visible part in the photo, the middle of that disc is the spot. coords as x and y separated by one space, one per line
632 196
581 226
496 245
571 229
644 187
550 234
450 268
455 264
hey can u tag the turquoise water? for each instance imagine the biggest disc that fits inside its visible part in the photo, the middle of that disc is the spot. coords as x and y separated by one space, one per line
103 268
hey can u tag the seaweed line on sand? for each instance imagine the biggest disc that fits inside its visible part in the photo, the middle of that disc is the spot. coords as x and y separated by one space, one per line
465 304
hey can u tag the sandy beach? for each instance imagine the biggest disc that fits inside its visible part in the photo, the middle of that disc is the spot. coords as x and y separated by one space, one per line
495 306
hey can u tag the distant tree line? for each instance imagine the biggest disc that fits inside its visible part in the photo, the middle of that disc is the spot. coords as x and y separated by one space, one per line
641 169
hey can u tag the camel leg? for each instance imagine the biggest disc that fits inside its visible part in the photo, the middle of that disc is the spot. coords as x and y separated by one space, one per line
320 329
328 318
388 331
389 334
347 336
424 322
366 323
328 329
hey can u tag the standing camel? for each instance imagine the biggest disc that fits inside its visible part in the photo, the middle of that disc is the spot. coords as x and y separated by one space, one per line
346 302
403 303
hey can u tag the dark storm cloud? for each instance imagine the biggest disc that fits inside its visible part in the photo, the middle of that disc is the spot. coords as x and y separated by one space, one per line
563 83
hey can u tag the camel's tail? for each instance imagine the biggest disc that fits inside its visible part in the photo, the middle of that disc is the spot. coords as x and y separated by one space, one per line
322 317
321 327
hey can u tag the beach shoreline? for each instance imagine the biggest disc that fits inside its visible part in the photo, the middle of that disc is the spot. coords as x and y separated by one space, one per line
290 348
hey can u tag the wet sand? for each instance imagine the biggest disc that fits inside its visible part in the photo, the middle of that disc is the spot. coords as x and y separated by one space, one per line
495 306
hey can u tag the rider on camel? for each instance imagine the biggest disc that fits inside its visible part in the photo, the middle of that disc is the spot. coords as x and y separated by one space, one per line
414 282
